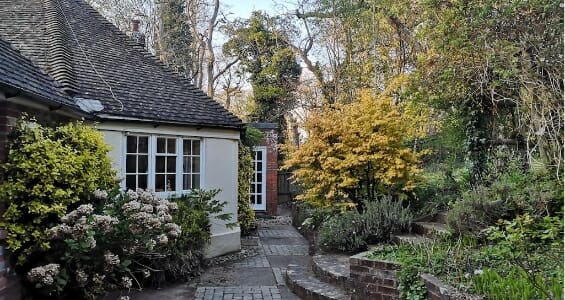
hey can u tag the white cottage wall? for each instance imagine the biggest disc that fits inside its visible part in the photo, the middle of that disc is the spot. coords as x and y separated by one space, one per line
219 165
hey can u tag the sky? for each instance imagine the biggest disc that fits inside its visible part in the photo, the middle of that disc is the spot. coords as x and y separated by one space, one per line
243 8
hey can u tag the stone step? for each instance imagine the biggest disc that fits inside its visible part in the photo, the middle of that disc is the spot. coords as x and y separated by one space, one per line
333 269
429 229
304 284
409 238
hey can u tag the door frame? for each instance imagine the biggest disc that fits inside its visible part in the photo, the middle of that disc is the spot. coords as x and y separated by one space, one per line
263 205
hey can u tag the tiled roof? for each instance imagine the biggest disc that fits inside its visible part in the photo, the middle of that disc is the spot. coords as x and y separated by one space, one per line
92 59
19 75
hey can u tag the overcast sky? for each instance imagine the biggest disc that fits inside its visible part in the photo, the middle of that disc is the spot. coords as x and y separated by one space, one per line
243 8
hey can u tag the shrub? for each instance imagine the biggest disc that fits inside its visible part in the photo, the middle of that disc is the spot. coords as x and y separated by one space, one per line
356 151
383 217
345 233
245 213
97 248
48 172
185 256
511 193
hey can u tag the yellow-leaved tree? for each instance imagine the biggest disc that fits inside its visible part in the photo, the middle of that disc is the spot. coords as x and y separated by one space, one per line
357 151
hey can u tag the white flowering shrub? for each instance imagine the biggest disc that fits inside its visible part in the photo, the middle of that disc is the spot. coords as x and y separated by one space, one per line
112 246
130 240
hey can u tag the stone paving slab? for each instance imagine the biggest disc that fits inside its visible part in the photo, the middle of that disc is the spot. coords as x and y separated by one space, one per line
286 249
259 261
238 293
279 233
283 241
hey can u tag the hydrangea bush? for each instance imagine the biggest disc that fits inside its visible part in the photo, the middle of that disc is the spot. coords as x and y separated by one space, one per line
111 246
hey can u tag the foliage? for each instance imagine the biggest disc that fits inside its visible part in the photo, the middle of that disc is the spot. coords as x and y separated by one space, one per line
351 231
344 233
383 217
521 254
356 151
511 191
184 257
105 247
48 172
271 65
176 39
131 239
246 214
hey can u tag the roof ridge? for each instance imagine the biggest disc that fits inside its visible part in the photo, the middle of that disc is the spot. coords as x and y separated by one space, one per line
59 57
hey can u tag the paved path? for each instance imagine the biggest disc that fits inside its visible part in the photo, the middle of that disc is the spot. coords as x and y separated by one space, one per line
260 277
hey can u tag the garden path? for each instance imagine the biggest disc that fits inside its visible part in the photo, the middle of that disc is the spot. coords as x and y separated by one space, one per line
259 277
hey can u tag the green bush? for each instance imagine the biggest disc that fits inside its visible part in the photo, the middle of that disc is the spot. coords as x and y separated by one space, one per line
383 217
245 213
48 172
185 256
508 194
94 249
344 233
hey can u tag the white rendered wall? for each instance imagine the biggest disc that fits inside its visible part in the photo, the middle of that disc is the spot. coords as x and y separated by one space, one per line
219 165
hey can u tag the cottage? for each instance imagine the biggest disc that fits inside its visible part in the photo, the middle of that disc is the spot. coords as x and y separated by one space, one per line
60 59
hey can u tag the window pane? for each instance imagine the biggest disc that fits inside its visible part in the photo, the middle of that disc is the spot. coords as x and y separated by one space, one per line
195 147
259 189
196 165
131 144
171 164
142 164
143 144
196 181
171 146
171 181
258 199
253 189
142 181
259 155
159 183
259 166
160 164
259 177
161 145
186 182
186 164
130 163
130 182
186 149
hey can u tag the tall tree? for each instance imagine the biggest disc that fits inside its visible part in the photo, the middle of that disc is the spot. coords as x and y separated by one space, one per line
271 65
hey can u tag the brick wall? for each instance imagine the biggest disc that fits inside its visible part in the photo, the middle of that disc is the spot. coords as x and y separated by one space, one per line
373 279
378 280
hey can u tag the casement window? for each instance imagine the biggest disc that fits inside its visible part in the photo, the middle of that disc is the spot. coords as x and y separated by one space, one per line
165 164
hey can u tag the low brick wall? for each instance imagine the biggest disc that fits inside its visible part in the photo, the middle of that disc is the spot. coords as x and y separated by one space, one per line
373 279
378 280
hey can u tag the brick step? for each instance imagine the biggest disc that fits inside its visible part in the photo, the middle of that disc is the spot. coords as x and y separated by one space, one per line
333 269
429 229
409 238
304 284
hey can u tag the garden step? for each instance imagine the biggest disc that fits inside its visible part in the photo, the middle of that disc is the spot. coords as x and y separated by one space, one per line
303 283
409 238
429 228
334 269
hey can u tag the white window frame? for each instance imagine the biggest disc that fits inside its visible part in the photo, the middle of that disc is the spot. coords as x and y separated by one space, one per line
263 193
152 157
